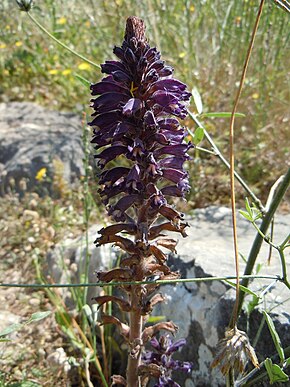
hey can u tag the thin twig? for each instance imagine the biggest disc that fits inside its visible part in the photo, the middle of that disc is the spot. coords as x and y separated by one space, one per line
43 29
158 282
218 153
232 160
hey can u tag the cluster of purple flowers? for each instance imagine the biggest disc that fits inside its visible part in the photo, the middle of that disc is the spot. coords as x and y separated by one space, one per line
162 357
135 120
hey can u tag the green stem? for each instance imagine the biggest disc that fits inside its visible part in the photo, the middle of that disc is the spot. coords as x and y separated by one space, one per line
218 153
263 228
284 244
284 268
254 377
62 44
158 282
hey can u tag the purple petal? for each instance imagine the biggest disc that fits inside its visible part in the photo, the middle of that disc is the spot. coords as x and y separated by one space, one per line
172 85
176 150
108 102
113 175
175 346
164 98
152 54
108 85
106 120
172 190
168 123
110 154
132 106
172 162
130 56
119 52
111 65
149 119
151 76
121 76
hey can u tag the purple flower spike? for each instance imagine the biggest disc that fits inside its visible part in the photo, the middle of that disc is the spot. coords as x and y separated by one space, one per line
137 107
141 151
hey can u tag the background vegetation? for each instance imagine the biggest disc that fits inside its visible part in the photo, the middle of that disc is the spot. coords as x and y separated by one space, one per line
205 41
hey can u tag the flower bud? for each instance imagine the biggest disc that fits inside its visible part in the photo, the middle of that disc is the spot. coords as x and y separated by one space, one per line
25 5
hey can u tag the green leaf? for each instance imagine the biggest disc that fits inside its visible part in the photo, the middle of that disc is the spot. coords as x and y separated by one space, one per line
275 336
275 373
155 319
243 288
197 100
221 115
287 362
12 328
246 215
83 80
248 207
198 135
39 316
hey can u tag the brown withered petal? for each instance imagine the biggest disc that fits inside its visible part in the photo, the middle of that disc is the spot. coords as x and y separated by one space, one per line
118 379
168 243
151 331
153 370
130 261
158 254
148 307
234 351
116 228
173 275
155 231
123 304
127 244
154 268
118 274
123 328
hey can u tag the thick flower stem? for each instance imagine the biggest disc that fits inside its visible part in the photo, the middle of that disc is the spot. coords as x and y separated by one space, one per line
136 325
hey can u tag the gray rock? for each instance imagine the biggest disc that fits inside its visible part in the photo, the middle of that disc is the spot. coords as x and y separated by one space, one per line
69 260
31 138
202 310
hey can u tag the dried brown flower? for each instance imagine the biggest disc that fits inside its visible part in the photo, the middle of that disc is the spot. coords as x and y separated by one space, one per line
234 351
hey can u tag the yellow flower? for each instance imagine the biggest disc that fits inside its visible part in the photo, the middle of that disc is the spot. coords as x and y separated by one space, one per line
255 96
18 44
41 174
238 21
53 71
84 66
182 55
61 20
87 23
2 45
191 8
66 72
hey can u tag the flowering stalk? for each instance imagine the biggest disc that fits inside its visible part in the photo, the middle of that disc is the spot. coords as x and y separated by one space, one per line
136 120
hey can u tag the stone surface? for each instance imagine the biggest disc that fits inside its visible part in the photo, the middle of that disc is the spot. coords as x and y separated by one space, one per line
67 263
201 310
31 138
